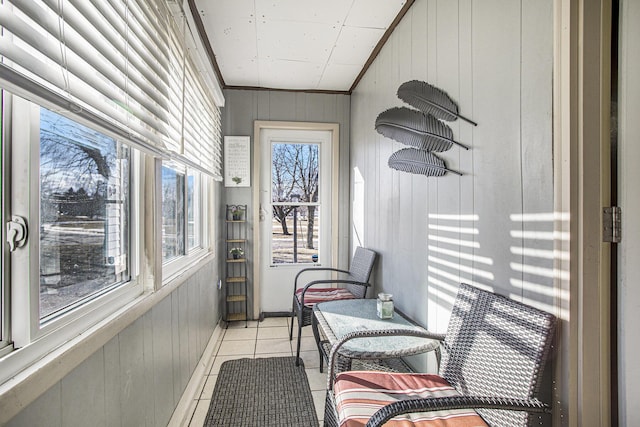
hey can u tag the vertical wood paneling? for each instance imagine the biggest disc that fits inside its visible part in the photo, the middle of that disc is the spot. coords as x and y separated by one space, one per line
419 185
466 134
537 146
44 411
497 68
132 380
84 384
113 390
497 157
147 402
162 358
183 334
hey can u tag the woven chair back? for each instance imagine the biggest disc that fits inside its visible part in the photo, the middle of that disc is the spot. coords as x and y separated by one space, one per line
496 346
360 270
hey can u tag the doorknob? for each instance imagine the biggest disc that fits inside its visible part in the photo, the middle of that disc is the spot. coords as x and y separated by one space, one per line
16 232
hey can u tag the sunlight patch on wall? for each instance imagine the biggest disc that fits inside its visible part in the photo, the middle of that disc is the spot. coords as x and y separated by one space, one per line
541 259
462 255
455 242
464 269
452 245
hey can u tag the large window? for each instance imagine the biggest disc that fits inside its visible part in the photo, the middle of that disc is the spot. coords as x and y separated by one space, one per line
84 213
182 212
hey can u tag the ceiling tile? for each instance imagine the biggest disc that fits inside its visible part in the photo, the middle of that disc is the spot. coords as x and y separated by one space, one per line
294 44
296 41
281 74
221 10
235 39
373 13
325 11
339 76
355 45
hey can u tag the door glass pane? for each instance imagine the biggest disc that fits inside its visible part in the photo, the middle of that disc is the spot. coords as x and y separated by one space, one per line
172 213
84 213
294 196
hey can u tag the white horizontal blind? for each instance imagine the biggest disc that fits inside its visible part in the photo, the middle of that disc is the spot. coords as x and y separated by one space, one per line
122 60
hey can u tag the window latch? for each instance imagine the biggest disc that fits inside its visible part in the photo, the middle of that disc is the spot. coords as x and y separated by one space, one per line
16 232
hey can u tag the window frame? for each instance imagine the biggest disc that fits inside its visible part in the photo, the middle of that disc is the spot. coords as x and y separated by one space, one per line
27 329
5 346
173 267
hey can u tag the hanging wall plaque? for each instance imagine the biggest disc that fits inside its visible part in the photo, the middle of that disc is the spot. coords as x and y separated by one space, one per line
237 161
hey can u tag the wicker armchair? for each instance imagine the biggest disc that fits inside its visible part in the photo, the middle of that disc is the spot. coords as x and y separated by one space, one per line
492 359
355 281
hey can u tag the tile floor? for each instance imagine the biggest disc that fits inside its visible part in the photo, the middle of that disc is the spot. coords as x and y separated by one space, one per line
260 339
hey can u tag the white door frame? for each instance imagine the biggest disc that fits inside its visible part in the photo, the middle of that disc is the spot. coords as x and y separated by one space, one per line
258 126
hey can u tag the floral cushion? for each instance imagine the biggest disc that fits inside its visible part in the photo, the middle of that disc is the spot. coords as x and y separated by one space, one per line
360 394
317 295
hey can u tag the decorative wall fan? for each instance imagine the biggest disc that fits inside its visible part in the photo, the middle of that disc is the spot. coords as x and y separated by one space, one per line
419 162
430 99
411 127
421 129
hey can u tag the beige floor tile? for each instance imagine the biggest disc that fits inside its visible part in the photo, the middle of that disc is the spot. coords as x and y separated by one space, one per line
200 414
238 325
232 348
236 334
273 346
307 331
215 369
318 400
311 359
317 381
273 321
307 344
272 333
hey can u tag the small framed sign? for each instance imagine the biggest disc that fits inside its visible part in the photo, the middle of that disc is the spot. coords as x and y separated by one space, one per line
237 161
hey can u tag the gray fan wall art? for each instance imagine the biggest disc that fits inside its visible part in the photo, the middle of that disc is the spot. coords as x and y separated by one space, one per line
414 128
421 129
430 99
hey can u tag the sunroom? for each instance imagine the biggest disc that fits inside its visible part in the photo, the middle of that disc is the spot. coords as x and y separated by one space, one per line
168 167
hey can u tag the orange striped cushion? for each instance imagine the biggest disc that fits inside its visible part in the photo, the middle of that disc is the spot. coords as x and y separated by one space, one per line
317 295
360 394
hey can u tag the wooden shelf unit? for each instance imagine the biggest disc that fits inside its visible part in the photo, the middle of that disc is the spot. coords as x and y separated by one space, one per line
236 282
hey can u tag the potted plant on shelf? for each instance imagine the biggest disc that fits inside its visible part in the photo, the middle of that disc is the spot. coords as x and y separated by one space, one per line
236 253
236 213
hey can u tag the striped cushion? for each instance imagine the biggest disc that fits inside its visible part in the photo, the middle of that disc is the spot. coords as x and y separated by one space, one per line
360 394
316 295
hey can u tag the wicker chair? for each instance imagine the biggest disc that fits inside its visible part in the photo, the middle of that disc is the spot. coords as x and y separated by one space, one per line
356 281
492 359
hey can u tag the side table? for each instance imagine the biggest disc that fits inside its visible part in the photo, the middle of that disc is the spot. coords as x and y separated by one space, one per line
341 320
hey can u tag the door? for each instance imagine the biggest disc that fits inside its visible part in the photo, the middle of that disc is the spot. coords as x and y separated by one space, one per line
295 210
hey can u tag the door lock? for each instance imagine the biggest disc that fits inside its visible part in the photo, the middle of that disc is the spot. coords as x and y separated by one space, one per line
16 232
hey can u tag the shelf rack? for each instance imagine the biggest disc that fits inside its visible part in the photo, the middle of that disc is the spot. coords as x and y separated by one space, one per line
236 302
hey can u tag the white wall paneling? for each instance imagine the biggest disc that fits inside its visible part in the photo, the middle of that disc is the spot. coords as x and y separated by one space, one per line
490 226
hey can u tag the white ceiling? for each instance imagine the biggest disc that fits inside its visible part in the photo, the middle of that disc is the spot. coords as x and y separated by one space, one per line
295 44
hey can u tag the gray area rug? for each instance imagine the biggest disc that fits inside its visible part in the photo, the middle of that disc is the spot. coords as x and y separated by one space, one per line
262 392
